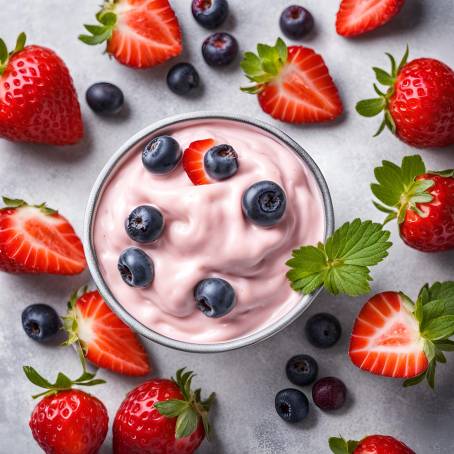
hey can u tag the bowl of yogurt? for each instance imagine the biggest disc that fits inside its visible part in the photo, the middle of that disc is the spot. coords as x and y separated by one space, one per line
207 233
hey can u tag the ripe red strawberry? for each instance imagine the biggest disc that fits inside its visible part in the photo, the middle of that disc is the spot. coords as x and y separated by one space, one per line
293 84
372 444
356 17
419 103
104 339
66 420
38 102
37 239
394 337
193 161
162 417
422 202
139 33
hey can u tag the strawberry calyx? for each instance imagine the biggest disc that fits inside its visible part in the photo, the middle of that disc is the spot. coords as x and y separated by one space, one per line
265 66
340 445
189 410
62 383
19 203
434 313
399 190
374 106
5 55
101 32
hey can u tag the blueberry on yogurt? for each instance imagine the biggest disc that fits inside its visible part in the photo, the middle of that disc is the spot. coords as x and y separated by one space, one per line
215 297
221 162
264 203
136 268
144 224
161 155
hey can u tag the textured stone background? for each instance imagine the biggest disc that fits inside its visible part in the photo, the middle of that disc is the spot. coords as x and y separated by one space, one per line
246 380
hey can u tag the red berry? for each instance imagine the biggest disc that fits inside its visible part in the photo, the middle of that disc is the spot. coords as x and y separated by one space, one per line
38 103
382 444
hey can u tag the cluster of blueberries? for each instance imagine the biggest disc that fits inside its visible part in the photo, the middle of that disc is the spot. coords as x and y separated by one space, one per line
218 49
263 203
329 393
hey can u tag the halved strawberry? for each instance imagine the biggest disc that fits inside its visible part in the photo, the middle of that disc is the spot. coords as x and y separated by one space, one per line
37 239
293 84
356 17
104 339
193 161
139 33
394 337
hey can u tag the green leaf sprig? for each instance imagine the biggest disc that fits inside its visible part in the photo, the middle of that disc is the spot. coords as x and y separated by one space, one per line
342 264
374 106
340 445
62 383
189 410
434 311
101 32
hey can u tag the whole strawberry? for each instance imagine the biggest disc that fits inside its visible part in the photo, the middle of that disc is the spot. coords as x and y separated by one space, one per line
138 33
395 337
162 417
102 337
292 83
372 444
38 101
419 103
66 420
37 239
422 202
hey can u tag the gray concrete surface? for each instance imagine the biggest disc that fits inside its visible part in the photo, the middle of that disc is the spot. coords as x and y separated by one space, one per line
246 380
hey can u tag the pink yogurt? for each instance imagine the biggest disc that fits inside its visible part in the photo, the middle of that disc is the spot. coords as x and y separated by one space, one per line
206 235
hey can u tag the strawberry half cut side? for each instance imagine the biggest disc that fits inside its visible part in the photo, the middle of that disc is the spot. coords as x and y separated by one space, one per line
37 239
102 337
394 337
293 83
193 158
356 17
139 33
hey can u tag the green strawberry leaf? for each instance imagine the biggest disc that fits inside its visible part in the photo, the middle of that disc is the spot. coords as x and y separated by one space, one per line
370 107
439 328
187 423
13 203
445 345
383 77
171 408
342 264
339 445
415 380
20 42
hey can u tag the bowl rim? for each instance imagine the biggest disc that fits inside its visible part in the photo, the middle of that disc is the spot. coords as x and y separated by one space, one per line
90 215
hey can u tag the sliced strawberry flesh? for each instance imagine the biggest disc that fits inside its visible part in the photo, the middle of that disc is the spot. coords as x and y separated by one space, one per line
147 33
303 92
193 161
109 342
386 339
31 241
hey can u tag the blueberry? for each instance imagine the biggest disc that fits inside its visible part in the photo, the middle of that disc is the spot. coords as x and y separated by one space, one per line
221 162
145 224
296 22
210 13
323 330
215 297
161 155
264 203
182 78
329 393
104 98
40 322
136 267
302 370
220 49
291 405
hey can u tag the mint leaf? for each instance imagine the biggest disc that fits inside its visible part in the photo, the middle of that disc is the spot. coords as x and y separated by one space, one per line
187 423
342 264
439 328
171 408
339 445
